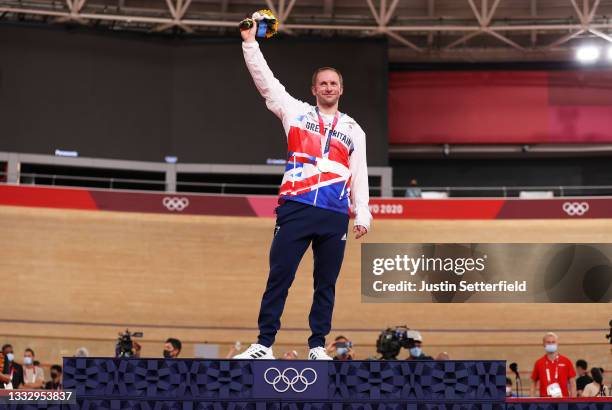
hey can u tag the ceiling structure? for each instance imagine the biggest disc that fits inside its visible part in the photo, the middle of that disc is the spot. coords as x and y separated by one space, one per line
418 30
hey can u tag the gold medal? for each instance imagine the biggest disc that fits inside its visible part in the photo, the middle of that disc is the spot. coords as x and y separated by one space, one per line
267 23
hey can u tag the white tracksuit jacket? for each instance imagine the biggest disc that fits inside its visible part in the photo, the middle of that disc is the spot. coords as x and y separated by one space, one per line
345 184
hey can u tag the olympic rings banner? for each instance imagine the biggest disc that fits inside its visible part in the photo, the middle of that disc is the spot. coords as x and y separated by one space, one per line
264 205
291 379
190 384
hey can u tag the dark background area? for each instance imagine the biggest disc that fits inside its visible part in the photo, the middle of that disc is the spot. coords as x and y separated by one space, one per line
509 172
139 97
144 96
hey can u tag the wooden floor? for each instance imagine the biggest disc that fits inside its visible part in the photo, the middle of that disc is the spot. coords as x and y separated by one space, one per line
78 277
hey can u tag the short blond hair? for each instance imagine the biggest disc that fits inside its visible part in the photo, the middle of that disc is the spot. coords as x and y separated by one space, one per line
550 334
318 70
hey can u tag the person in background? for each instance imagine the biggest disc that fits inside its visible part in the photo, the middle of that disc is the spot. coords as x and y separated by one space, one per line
136 349
56 378
554 372
415 346
509 392
341 349
583 376
596 388
443 356
172 348
413 190
81 352
33 376
290 355
12 372
233 351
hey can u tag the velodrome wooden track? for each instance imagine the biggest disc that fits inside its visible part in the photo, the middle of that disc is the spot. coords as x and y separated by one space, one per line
76 277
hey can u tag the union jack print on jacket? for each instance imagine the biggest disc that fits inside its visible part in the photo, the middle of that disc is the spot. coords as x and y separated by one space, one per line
346 184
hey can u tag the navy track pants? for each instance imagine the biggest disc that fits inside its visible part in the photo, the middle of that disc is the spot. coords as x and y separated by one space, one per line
297 226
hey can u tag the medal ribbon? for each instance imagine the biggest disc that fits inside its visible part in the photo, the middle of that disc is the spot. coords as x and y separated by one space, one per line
322 131
556 361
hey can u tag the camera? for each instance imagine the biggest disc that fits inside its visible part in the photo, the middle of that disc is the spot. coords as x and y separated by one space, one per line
391 340
343 345
343 349
125 346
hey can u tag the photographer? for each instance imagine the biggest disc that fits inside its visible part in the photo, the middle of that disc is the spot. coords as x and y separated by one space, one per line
415 343
341 349
126 347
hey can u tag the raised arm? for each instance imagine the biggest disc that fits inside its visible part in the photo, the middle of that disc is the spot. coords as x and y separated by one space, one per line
277 98
360 189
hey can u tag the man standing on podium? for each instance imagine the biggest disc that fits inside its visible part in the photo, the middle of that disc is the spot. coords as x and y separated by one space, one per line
326 173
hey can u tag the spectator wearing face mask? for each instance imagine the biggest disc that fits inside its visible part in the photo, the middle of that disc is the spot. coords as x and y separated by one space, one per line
12 372
33 376
415 346
56 378
583 376
341 349
172 348
553 372
596 388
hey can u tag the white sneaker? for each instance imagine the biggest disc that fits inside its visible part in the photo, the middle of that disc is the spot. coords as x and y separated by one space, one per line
256 351
318 353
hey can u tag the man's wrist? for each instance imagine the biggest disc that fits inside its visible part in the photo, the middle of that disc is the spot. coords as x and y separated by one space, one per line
360 223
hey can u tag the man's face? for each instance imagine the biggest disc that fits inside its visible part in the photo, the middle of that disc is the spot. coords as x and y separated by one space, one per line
7 350
55 374
327 88
550 340
171 349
